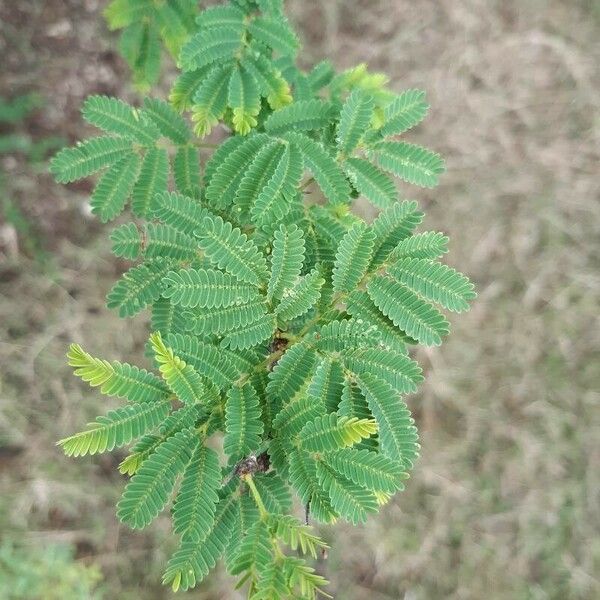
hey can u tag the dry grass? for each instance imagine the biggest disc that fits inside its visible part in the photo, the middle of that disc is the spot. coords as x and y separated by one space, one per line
505 502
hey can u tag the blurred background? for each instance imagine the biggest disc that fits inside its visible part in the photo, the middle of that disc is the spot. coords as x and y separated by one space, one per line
505 501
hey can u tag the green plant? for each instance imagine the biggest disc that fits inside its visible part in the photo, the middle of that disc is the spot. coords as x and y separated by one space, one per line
280 319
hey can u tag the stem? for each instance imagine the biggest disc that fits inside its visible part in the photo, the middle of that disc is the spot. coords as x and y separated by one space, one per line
262 511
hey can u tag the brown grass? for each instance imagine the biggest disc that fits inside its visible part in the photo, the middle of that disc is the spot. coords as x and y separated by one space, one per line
505 501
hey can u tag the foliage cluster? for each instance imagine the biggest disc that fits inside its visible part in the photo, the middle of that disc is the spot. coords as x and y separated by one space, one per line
281 322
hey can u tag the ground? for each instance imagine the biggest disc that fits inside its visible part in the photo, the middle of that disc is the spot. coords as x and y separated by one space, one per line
505 501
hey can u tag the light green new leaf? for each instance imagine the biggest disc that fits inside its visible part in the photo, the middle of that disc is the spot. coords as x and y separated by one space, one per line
116 429
117 379
244 100
182 379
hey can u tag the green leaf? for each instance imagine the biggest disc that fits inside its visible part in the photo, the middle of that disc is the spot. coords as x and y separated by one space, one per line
322 165
301 298
400 371
398 436
186 170
299 410
410 313
182 379
275 34
404 112
370 470
351 501
327 383
194 509
295 534
392 226
153 179
87 157
244 99
331 432
251 334
127 241
243 425
205 288
292 371
223 320
116 429
220 16
225 181
257 177
353 257
209 361
339 335
230 249
185 87
209 46
141 48
410 162
430 244
178 211
115 116
148 491
169 122
255 551
275 200
370 182
302 115
139 287
164 241
274 493
361 307
286 260
210 100
167 318
269 80
355 118
194 559
117 379
435 282
114 187
303 477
